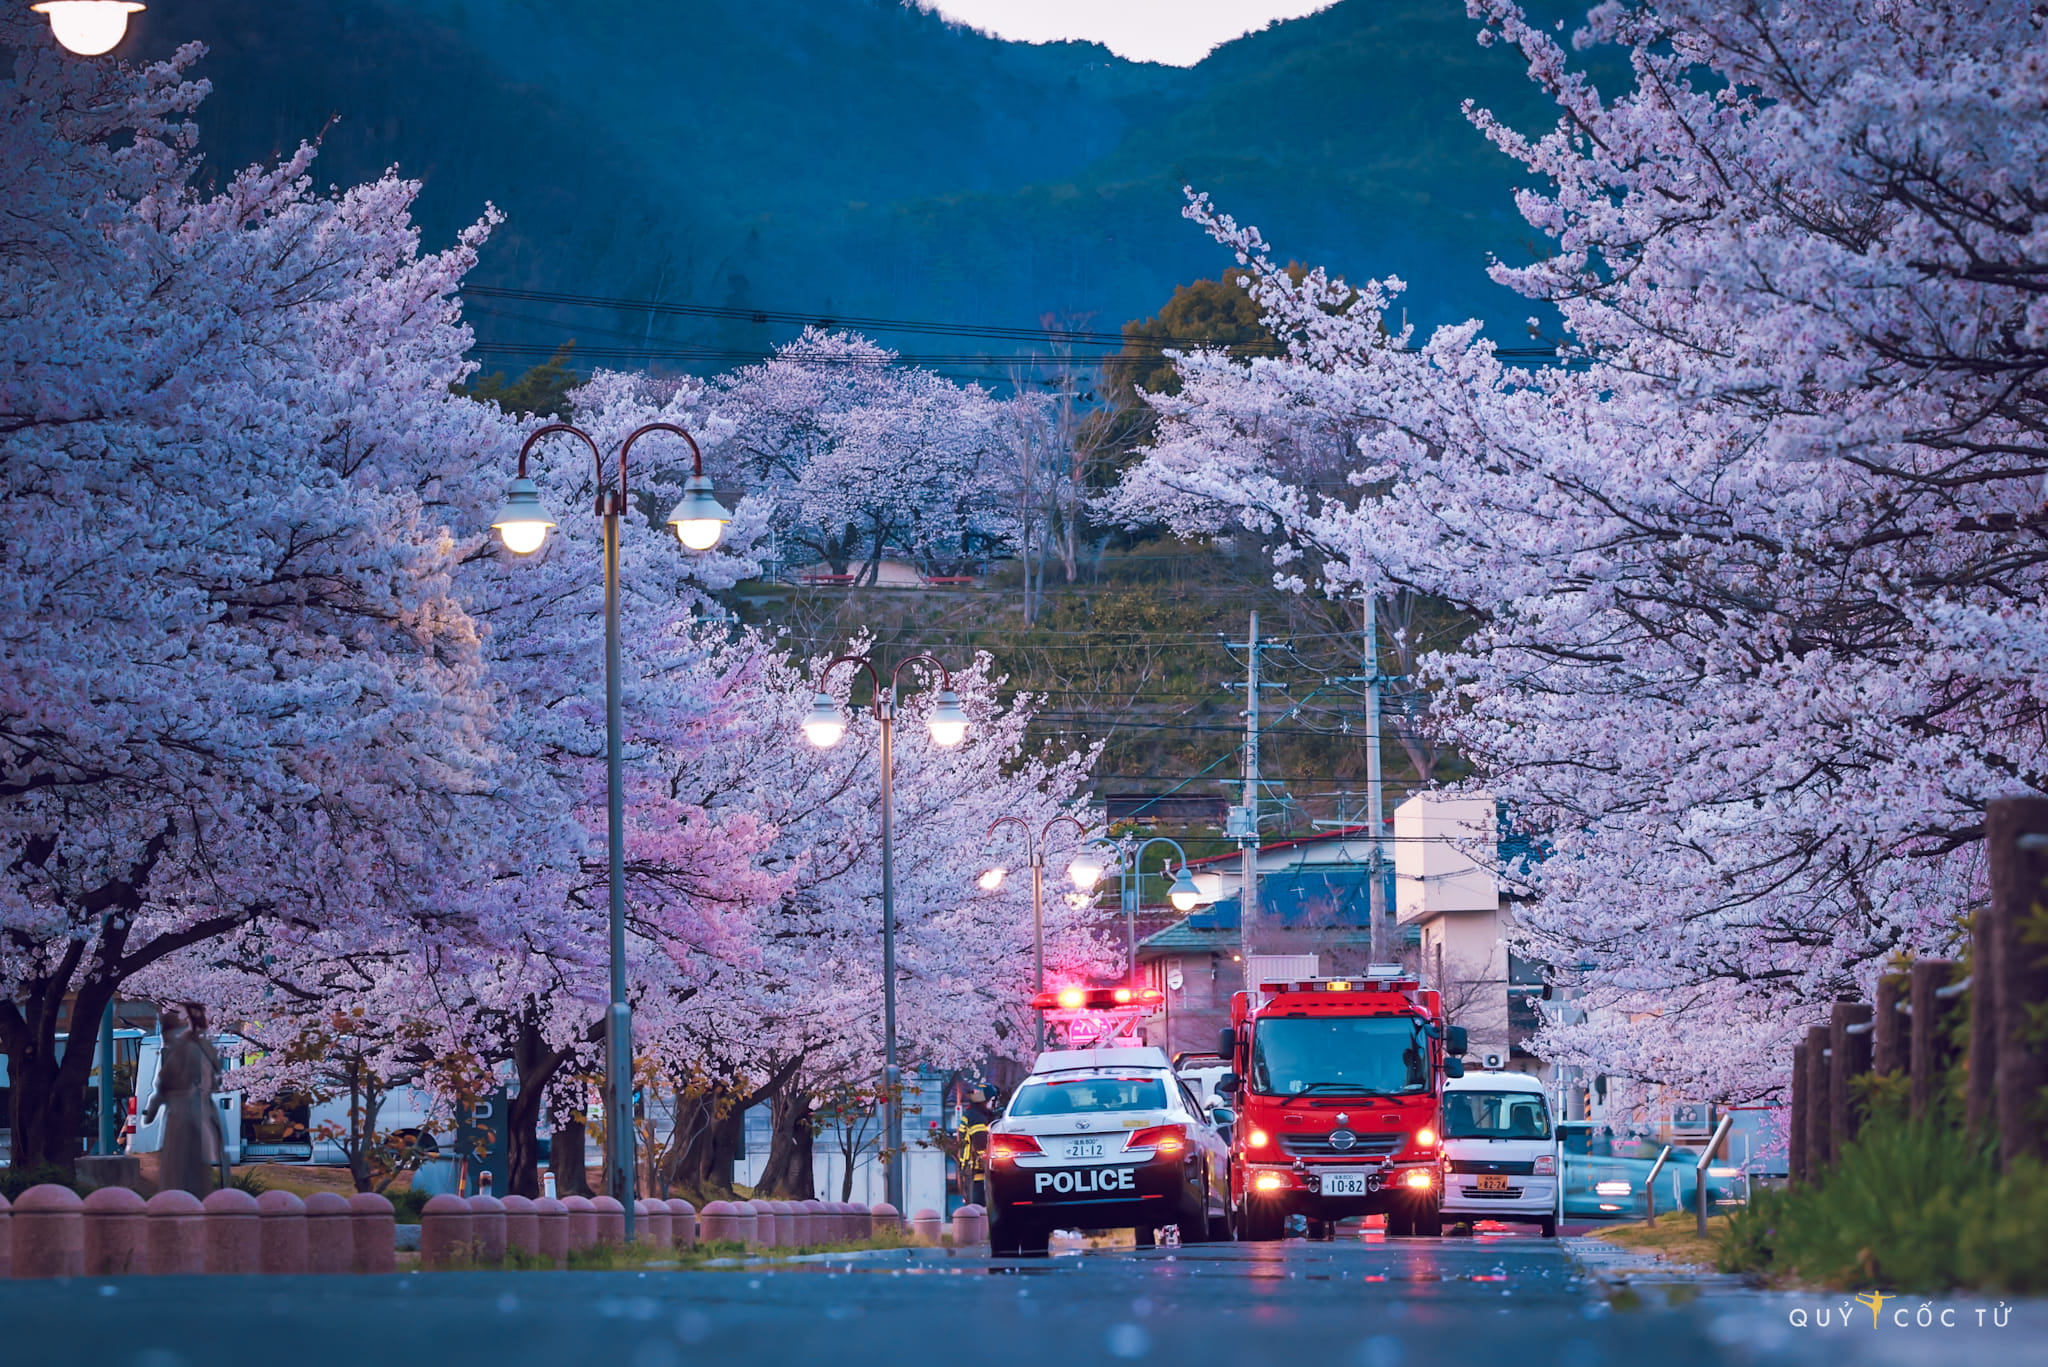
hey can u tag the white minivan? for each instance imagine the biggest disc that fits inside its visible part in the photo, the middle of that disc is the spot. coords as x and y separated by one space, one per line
1500 1151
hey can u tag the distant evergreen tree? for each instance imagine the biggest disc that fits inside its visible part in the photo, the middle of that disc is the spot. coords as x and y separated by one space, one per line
543 391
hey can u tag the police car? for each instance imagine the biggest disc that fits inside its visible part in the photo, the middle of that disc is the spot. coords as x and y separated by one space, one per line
1105 1138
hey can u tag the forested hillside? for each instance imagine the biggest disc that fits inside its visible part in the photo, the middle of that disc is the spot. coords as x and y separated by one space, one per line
860 157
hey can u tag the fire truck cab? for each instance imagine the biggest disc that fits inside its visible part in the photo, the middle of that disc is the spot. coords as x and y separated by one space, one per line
1337 1084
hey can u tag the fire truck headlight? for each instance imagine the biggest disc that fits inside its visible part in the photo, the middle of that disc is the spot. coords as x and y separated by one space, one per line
1268 1181
1425 1137
1417 1179
1257 1139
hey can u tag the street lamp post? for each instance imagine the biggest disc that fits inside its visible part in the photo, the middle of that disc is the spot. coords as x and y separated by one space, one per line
1184 894
1084 875
824 727
522 522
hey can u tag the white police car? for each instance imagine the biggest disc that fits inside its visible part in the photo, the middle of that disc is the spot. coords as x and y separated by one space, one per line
1105 1139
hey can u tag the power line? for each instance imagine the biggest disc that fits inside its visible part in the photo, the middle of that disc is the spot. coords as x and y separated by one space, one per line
830 321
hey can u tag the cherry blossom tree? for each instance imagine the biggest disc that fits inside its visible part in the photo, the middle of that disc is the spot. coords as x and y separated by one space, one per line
1756 562
241 686
865 458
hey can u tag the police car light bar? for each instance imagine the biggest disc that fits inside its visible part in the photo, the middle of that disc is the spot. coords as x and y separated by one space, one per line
1096 998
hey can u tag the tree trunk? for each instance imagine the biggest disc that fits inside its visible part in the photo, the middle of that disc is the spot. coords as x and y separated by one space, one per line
571 1175
789 1172
46 1101
536 1065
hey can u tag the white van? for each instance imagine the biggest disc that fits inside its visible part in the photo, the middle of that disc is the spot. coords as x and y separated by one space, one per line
1500 1151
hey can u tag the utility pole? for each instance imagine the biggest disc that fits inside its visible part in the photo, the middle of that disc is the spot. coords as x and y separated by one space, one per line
1246 817
1375 816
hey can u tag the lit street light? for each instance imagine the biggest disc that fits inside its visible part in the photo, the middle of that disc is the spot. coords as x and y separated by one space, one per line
89 28
825 727
1186 893
1079 871
523 524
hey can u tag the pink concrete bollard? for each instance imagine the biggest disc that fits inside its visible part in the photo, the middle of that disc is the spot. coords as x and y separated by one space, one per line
49 1232
786 1226
551 1231
845 1221
176 1234
767 1227
806 1222
522 1225
234 1243
116 1233
884 1219
746 1224
970 1227
924 1226
488 1216
819 1216
864 1220
330 1235
682 1219
376 1233
656 1231
6 1240
717 1223
582 1222
281 1234
611 1220
447 1233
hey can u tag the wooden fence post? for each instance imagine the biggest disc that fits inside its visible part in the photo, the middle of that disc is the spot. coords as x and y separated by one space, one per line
2016 832
1928 1048
1849 1058
1795 1125
1819 1142
1886 1055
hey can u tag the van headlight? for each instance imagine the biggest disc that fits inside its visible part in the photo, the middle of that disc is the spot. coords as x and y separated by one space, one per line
1546 1166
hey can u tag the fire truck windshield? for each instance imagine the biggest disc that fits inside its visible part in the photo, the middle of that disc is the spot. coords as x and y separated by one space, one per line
1340 1056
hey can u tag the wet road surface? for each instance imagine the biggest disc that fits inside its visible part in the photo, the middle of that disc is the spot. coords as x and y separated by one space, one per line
1513 1300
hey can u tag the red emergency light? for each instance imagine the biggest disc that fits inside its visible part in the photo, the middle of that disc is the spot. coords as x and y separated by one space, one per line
1096 998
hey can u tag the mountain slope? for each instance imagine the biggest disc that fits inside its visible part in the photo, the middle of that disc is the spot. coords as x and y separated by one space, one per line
861 157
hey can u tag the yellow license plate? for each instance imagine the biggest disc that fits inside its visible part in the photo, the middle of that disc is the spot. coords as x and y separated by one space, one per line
1492 1182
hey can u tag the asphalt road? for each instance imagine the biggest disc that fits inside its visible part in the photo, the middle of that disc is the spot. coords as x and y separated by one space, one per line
1511 1300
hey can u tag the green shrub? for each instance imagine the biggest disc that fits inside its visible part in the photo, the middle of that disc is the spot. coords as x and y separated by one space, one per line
1909 1206
15 1181
408 1206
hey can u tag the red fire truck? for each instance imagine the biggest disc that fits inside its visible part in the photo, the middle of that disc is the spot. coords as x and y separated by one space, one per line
1337 1083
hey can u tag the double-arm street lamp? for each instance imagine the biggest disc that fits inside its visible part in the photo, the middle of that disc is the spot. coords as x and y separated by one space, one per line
699 521
1185 893
1085 870
824 727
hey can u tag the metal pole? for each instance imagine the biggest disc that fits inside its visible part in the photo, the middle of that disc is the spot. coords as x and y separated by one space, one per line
107 1128
619 1024
1699 1173
1131 887
892 1077
1038 930
1248 897
1375 818
1650 1187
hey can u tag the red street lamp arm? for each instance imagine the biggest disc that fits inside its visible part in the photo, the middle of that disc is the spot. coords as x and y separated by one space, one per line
874 679
696 453
596 455
1021 824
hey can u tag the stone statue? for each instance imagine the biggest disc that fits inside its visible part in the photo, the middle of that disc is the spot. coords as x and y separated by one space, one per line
186 1075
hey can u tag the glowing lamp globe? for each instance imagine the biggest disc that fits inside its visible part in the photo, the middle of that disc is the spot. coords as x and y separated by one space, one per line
699 519
88 27
1184 895
992 879
1086 871
949 723
826 724
522 521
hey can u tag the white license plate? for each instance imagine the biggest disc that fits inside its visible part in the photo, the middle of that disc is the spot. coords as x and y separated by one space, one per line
1084 1148
1344 1184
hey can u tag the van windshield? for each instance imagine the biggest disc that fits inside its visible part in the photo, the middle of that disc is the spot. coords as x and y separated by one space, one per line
1495 1115
1340 1056
1074 1096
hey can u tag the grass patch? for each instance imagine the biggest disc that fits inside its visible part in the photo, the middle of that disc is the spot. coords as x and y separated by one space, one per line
1673 1237
1910 1206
